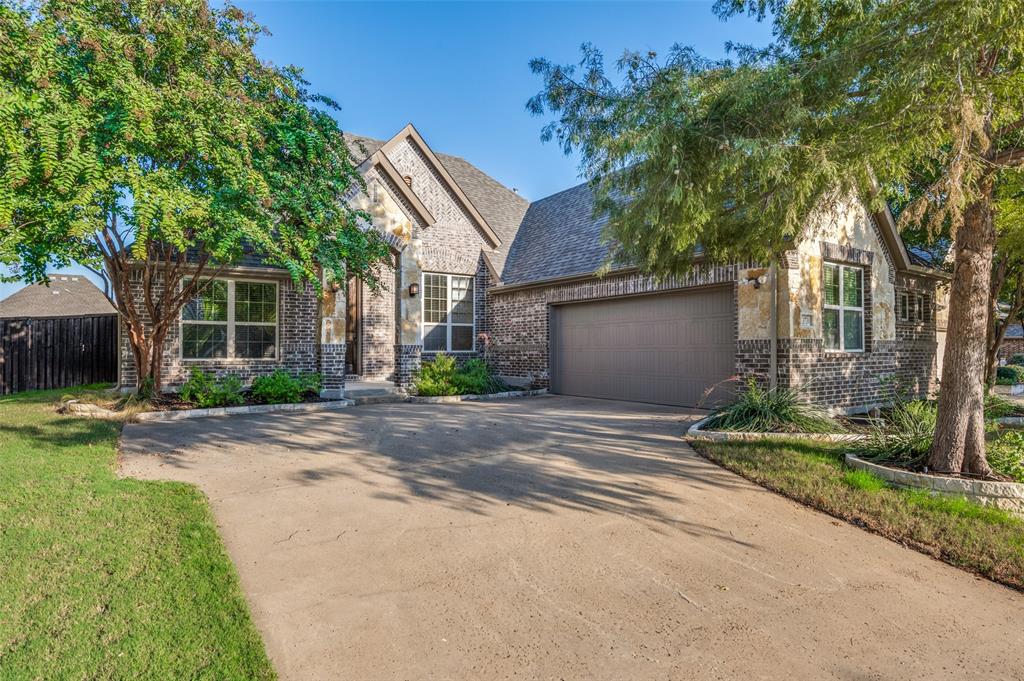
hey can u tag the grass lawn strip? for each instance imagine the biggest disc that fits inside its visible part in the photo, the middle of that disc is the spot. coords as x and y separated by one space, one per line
987 541
108 578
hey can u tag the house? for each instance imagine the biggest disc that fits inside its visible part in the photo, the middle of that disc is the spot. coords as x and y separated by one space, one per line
1013 342
57 335
482 272
67 295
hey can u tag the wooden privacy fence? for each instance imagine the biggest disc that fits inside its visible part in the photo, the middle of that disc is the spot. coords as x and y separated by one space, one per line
57 352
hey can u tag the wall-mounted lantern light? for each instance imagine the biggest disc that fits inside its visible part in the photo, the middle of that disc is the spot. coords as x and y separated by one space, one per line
414 290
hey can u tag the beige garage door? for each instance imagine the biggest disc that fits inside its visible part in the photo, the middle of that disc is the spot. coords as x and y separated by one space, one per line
664 348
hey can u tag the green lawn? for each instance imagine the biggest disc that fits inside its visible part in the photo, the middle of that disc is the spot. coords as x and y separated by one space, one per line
987 541
102 578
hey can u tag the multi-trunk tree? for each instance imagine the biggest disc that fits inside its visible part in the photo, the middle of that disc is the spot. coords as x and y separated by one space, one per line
147 141
732 156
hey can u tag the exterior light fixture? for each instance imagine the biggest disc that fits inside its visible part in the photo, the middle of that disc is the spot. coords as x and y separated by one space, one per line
414 290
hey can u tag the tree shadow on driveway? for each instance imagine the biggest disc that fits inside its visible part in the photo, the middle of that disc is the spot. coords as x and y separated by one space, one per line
542 454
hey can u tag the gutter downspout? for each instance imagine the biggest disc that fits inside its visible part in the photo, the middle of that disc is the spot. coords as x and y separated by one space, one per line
773 322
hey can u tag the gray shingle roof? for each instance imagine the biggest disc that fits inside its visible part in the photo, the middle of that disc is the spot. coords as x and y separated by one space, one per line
68 295
1015 331
559 237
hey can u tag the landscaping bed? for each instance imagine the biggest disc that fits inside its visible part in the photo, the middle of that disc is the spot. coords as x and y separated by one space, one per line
984 540
205 394
105 577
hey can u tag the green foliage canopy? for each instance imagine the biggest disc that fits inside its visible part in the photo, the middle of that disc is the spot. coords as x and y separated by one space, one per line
126 125
734 155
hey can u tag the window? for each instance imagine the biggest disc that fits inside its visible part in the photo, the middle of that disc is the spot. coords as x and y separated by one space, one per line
920 308
904 307
448 324
231 319
843 316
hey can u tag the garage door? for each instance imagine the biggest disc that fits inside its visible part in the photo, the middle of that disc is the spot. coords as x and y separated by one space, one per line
664 348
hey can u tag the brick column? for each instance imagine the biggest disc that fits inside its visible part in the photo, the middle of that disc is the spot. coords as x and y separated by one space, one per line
407 364
332 342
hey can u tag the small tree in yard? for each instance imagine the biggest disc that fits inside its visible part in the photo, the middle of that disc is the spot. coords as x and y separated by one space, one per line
734 156
147 141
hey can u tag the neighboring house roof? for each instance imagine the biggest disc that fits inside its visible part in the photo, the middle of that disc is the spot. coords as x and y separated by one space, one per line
1014 331
68 295
559 237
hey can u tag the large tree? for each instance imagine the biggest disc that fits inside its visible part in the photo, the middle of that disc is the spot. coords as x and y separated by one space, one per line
143 138
733 155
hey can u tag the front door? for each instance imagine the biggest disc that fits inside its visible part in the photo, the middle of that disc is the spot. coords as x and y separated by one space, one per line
353 313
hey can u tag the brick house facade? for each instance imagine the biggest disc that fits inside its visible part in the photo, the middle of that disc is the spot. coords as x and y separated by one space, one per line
482 272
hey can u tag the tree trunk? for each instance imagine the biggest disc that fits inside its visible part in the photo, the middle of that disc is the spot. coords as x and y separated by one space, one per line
959 444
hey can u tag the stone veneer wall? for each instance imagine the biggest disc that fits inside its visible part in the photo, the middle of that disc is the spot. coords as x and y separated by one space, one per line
518 320
298 319
850 381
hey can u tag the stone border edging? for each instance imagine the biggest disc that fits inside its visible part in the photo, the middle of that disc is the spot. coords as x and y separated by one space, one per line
1008 496
696 432
95 411
448 399
1011 421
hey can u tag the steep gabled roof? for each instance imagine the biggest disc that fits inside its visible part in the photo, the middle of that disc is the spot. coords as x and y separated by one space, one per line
68 295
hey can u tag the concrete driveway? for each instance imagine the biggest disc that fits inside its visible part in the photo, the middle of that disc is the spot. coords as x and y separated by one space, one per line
558 538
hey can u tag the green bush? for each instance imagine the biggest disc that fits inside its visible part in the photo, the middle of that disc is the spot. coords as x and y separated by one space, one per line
205 390
1010 374
1006 455
1017 360
281 387
443 376
904 436
771 410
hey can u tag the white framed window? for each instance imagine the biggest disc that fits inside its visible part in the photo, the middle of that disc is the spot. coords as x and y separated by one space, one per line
920 308
449 323
843 313
231 319
904 307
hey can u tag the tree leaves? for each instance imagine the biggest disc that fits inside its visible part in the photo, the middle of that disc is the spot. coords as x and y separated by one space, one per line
159 116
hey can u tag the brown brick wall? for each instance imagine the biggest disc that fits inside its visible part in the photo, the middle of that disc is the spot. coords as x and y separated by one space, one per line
298 314
518 323
1011 347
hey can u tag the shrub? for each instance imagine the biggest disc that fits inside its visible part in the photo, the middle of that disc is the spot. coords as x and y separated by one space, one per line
771 410
443 377
1017 360
1006 455
904 436
205 390
281 387
436 377
1010 374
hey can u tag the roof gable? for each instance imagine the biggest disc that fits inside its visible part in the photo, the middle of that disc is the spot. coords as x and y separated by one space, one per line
409 132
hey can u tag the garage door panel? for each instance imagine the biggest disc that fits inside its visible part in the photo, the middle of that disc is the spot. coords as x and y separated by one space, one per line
667 348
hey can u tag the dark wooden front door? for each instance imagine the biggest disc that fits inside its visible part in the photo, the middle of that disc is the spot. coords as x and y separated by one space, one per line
353 313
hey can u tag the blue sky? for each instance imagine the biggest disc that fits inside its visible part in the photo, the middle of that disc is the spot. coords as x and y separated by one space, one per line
459 70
